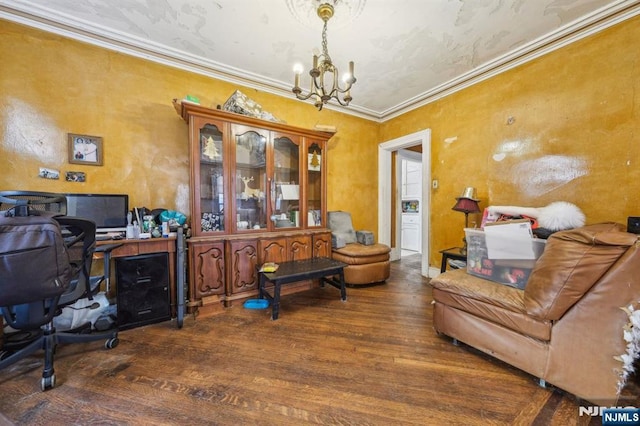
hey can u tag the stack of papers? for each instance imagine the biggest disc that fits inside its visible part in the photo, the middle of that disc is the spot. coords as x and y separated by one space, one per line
290 192
509 240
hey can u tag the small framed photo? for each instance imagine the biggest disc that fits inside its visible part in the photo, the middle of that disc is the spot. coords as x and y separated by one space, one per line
75 177
46 173
85 149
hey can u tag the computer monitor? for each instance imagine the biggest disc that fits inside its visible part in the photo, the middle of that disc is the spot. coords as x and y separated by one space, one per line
108 211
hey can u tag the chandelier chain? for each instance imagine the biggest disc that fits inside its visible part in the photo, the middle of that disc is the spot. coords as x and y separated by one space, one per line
325 49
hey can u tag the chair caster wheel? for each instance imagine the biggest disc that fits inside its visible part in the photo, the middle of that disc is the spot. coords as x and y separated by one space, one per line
111 343
48 382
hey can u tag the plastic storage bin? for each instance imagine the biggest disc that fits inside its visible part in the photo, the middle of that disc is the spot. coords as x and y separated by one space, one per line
513 272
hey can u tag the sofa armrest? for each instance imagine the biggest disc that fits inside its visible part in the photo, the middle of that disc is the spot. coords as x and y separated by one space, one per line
571 264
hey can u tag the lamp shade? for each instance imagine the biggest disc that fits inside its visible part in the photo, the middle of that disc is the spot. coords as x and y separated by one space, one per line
466 205
467 202
470 193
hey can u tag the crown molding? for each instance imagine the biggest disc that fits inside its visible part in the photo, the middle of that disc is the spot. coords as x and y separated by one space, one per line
44 19
577 30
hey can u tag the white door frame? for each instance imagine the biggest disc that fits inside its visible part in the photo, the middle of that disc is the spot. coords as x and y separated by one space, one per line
385 190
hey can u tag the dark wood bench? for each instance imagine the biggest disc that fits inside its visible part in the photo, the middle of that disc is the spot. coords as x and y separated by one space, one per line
323 268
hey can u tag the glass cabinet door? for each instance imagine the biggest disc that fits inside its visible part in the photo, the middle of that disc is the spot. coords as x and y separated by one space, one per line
251 179
314 184
285 195
211 185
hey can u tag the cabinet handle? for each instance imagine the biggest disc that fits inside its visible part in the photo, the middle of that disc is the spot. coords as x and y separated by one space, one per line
272 185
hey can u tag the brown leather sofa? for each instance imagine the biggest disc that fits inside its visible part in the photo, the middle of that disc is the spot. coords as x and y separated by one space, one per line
566 326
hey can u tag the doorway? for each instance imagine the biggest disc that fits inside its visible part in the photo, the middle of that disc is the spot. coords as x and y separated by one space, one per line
386 191
409 181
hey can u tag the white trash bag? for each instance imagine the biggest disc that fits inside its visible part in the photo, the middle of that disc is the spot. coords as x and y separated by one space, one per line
81 312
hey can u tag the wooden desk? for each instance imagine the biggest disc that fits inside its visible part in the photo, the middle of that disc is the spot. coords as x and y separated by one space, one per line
151 245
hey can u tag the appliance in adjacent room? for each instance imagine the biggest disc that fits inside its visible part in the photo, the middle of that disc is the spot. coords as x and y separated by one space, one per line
411 225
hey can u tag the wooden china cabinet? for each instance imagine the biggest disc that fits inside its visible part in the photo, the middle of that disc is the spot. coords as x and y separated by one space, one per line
258 194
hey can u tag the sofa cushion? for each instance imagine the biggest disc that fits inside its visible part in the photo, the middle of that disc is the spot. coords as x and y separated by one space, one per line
341 226
573 261
367 274
500 304
355 254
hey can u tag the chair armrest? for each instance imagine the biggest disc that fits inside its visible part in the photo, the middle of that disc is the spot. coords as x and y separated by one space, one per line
365 237
337 241
107 248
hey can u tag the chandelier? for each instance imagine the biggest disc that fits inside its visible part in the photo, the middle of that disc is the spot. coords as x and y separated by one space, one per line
324 84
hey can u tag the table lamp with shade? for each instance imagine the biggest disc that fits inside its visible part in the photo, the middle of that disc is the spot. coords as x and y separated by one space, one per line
467 203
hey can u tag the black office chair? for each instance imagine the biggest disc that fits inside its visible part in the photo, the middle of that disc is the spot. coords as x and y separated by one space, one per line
28 305
24 203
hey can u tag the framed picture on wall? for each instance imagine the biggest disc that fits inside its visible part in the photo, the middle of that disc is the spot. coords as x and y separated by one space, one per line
85 149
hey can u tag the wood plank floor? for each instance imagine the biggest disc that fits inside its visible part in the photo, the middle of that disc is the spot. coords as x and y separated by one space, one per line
372 360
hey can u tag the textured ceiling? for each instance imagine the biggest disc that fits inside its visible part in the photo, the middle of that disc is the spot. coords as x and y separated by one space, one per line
406 52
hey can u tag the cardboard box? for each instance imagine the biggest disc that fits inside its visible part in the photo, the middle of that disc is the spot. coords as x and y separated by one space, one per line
512 272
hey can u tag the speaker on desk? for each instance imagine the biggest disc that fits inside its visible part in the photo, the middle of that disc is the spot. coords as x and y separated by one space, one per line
633 224
142 290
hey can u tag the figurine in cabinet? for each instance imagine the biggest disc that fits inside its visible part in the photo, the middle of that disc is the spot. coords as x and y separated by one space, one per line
250 192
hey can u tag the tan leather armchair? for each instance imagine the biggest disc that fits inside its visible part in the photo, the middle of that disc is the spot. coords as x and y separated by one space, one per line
566 327
367 264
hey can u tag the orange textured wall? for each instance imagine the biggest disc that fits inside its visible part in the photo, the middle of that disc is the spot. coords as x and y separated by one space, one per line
565 126
51 86
562 127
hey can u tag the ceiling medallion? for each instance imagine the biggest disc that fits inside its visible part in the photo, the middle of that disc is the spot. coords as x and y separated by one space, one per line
306 11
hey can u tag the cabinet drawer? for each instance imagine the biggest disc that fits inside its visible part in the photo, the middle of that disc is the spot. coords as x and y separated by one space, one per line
411 218
142 290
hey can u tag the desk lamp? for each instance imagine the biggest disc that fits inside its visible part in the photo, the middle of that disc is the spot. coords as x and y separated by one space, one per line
466 203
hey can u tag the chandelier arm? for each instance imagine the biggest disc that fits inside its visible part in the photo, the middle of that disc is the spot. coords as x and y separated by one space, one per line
312 92
345 90
303 97
316 82
336 84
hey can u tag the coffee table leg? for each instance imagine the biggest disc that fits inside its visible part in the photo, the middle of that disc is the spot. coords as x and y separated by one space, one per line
275 307
261 281
343 288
